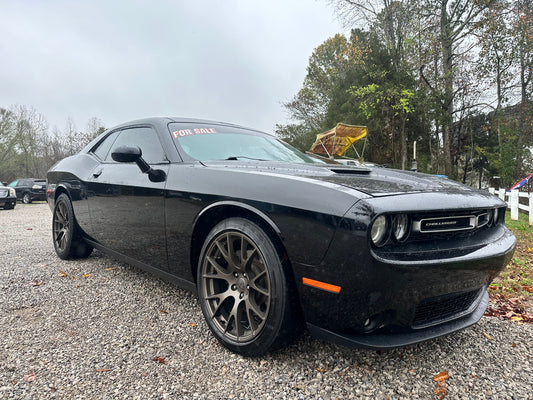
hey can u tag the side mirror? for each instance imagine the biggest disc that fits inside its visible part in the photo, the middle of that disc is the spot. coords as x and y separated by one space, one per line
126 154
129 154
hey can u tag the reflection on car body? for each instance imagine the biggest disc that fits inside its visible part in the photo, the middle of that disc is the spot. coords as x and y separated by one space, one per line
29 189
273 240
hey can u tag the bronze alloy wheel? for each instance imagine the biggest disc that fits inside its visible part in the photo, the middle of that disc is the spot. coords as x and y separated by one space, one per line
61 227
245 288
68 242
236 286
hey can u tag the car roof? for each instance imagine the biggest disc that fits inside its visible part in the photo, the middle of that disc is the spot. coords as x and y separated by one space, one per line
159 120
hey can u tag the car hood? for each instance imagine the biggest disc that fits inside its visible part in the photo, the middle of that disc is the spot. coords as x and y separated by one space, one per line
374 181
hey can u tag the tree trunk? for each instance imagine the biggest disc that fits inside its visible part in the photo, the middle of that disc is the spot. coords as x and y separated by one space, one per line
447 72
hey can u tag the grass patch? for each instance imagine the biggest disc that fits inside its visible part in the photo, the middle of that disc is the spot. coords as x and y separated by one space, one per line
516 280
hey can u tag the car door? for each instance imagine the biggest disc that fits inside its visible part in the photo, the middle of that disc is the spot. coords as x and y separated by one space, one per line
126 208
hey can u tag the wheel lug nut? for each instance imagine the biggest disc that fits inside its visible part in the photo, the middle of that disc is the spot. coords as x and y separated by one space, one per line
233 287
241 295
244 274
236 275
247 287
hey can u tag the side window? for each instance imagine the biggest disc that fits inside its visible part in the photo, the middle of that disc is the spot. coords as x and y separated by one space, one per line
13 184
146 139
103 147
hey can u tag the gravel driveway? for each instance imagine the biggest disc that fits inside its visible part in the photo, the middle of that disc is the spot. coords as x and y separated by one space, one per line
99 329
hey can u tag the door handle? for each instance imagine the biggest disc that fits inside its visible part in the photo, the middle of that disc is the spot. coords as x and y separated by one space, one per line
97 173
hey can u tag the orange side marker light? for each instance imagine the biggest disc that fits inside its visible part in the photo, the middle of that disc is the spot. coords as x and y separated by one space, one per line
321 285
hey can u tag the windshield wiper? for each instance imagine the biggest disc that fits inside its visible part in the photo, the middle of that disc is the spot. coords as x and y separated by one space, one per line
234 158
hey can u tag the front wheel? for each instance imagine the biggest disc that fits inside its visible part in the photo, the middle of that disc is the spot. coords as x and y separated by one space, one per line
68 242
243 289
26 198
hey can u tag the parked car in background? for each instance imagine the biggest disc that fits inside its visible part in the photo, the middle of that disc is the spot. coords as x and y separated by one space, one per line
271 238
29 189
8 197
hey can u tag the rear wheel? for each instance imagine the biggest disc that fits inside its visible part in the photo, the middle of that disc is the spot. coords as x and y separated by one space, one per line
243 289
68 242
26 198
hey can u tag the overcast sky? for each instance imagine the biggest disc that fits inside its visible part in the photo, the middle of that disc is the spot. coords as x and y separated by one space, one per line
231 60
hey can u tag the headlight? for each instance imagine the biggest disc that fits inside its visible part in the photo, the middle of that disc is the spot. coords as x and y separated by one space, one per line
380 230
12 192
35 187
400 227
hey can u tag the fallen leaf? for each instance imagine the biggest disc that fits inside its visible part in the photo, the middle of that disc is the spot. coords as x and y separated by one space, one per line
530 249
513 345
163 312
62 274
487 336
36 282
29 229
321 370
31 377
192 324
110 269
474 376
509 314
441 377
440 390
160 360
86 275
103 370
516 318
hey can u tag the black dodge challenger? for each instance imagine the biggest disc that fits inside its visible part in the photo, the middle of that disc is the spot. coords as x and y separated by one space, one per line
272 239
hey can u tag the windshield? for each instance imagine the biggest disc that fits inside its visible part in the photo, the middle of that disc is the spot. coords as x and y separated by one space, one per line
206 142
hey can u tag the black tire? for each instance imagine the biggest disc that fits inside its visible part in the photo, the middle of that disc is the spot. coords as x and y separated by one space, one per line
9 206
68 242
26 198
245 300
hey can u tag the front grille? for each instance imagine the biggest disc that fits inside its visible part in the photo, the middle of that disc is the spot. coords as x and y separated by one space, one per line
450 223
447 224
437 309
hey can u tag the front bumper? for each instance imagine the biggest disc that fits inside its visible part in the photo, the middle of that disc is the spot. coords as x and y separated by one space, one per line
10 200
389 302
386 341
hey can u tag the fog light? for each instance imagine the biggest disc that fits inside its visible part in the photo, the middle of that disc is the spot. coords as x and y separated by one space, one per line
380 230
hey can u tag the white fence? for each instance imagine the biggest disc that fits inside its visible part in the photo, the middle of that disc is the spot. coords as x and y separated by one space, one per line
513 202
